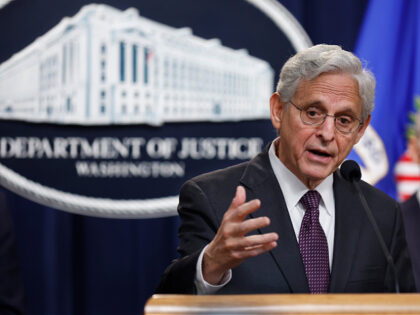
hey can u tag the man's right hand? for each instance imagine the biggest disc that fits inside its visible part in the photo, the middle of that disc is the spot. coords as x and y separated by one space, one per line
231 246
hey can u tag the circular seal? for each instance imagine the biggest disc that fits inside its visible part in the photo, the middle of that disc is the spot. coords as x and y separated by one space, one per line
147 57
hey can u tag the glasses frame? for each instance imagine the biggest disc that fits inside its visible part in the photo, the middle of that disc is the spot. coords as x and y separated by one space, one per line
301 110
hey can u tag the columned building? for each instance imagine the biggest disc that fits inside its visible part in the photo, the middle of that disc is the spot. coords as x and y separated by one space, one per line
106 66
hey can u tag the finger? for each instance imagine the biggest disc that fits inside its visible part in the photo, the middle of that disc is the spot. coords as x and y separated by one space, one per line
258 240
258 250
238 202
249 225
254 250
244 243
239 209
245 209
252 241
238 199
240 196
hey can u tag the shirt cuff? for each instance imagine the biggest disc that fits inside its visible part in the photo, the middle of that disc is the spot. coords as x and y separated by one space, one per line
202 286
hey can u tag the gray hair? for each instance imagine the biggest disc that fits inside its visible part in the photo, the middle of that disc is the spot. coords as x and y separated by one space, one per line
311 62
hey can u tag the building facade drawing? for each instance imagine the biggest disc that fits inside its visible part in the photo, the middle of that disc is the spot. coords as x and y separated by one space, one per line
106 66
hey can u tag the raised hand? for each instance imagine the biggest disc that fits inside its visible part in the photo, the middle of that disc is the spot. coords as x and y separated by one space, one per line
231 246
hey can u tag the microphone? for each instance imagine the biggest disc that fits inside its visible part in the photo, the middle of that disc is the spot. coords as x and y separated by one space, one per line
350 171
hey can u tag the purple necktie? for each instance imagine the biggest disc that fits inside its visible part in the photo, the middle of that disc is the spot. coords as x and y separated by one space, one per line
313 245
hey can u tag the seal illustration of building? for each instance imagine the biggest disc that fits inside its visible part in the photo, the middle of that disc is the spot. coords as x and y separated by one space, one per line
107 66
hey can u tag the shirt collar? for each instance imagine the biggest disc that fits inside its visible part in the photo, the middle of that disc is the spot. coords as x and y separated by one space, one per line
293 189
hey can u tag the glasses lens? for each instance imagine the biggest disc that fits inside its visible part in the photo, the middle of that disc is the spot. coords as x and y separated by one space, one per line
346 123
312 116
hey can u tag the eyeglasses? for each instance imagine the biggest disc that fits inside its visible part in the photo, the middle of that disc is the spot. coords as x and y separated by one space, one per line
314 116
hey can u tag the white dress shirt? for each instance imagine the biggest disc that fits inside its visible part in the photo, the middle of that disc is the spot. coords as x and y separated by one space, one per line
293 189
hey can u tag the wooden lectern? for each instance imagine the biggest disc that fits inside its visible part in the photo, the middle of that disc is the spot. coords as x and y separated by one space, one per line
284 304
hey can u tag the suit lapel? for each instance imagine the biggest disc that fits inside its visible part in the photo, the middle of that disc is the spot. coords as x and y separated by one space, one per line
348 220
261 183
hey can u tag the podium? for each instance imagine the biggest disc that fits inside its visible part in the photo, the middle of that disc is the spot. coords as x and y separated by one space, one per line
284 304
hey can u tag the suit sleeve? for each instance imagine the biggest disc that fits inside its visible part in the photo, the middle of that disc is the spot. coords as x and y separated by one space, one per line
401 257
12 299
198 227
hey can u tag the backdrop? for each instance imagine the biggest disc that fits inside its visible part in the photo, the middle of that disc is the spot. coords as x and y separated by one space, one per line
82 264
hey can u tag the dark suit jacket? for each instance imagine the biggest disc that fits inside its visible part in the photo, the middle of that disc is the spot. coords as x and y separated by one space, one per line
12 297
358 262
411 216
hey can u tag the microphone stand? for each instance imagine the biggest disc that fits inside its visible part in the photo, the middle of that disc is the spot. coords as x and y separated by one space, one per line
385 250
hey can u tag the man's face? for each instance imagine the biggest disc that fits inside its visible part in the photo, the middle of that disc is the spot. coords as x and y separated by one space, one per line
314 152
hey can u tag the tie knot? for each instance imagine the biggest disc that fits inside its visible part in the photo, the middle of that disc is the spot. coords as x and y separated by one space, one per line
310 200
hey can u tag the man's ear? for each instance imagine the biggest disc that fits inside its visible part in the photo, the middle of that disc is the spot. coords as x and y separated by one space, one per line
362 129
276 110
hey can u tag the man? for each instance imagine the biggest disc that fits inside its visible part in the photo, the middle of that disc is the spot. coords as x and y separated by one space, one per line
411 207
268 239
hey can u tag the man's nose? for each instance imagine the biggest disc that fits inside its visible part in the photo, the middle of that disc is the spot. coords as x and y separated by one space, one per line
327 129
